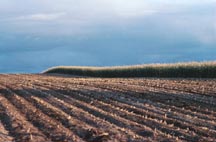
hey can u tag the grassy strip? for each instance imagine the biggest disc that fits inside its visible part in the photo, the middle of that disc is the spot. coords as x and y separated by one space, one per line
185 70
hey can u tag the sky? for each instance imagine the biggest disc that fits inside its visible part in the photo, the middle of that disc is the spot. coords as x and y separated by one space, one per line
38 34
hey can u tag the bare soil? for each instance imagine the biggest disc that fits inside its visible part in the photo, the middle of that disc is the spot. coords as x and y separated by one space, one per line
42 108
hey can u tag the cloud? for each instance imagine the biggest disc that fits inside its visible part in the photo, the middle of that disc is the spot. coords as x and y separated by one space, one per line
42 16
127 8
71 17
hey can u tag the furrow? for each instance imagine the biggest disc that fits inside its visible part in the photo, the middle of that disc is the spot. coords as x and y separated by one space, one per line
81 129
200 130
197 114
198 119
128 133
110 117
51 128
17 125
165 102
202 126
4 134
76 112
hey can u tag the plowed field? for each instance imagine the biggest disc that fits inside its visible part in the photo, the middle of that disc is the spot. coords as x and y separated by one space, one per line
42 108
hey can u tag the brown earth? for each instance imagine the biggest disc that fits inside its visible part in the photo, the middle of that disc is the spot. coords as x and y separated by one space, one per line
42 108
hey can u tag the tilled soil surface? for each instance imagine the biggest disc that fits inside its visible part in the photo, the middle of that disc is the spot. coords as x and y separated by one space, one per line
42 108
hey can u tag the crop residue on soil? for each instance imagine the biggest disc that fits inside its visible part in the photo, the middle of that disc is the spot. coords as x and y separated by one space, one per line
36 108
